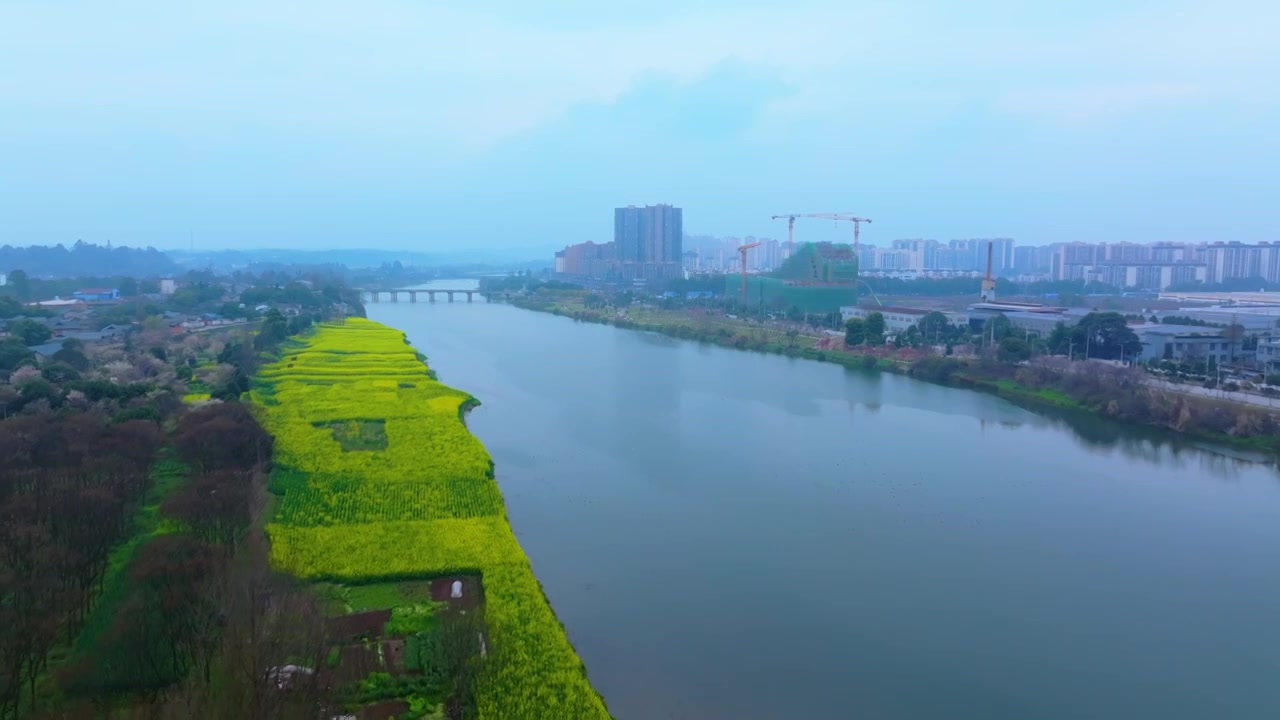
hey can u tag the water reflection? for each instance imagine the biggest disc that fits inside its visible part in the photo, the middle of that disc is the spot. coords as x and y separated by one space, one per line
1103 436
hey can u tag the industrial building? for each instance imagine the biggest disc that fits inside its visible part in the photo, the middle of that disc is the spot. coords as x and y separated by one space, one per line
1025 316
1043 323
1255 320
1191 343
898 319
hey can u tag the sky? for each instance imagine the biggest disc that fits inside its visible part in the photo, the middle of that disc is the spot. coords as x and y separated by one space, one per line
435 126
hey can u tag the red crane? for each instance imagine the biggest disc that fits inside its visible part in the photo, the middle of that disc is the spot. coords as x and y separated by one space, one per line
742 266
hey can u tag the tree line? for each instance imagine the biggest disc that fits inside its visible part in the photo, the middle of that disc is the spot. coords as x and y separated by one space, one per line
86 259
127 573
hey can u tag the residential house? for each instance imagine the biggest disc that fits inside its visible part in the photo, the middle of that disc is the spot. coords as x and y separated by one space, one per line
45 351
63 325
88 336
1269 355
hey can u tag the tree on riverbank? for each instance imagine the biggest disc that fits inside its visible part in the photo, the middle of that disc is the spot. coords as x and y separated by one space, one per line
855 332
874 329
1102 336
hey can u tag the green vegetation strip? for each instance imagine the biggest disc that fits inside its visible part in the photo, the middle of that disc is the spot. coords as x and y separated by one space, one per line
148 523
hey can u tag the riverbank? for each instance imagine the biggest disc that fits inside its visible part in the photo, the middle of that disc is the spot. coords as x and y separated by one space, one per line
1097 388
381 487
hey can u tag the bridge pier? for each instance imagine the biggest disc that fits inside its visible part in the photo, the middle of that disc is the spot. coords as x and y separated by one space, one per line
413 296
450 293
375 296
395 296
468 296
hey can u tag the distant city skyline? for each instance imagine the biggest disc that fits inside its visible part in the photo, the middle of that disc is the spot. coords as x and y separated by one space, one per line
432 127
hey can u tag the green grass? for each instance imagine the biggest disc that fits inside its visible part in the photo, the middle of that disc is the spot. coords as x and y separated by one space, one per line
416 619
342 599
358 435
1047 395
167 476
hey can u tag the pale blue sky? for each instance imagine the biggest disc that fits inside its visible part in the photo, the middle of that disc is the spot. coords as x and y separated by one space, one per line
427 125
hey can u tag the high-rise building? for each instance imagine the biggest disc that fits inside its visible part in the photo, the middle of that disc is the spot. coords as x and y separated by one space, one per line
586 259
972 254
918 254
651 234
1033 259
1234 260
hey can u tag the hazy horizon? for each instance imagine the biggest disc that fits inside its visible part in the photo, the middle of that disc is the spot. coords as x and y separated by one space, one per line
436 129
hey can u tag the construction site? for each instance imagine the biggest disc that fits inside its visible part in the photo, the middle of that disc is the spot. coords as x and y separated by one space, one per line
815 277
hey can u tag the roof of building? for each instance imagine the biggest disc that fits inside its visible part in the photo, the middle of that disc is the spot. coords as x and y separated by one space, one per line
1261 298
1016 307
47 349
1163 329
95 291
87 336
1048 317
888 309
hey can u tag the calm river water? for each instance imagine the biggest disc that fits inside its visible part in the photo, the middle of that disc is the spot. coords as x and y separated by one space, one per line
728 535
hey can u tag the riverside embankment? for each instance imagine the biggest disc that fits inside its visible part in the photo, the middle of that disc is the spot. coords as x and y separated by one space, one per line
1121 394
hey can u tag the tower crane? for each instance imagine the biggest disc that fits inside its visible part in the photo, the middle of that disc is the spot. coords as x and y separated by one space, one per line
791 231
791 223
742 266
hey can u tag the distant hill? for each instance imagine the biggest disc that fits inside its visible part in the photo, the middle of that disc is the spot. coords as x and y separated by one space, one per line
85 260
356 259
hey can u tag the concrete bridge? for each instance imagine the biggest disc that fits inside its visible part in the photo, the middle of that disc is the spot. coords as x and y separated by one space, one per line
394 294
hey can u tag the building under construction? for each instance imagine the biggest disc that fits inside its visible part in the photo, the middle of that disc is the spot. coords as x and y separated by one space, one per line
818 278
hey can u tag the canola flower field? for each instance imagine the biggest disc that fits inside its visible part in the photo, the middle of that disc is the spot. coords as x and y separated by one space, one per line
425 505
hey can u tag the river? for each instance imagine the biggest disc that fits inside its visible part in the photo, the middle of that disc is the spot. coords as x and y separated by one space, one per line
731 535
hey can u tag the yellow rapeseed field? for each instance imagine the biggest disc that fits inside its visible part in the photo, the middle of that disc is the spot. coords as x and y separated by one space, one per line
424 505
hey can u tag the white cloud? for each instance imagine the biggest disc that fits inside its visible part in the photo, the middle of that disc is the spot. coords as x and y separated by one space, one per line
1092 103
470 78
